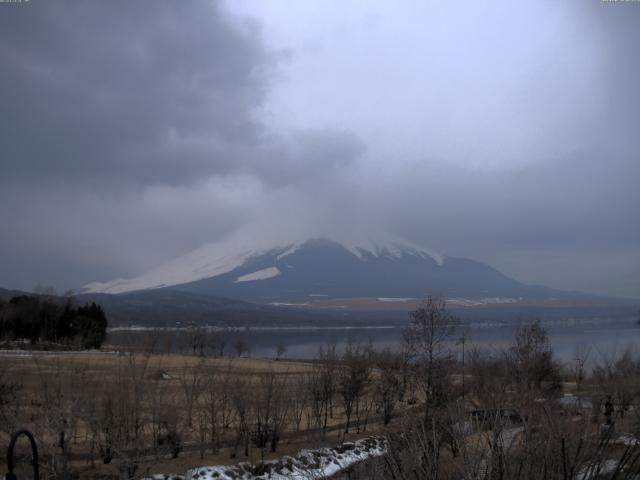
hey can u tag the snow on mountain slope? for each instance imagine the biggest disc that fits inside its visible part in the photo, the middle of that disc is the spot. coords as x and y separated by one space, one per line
263 274
216 259
388 246
208 261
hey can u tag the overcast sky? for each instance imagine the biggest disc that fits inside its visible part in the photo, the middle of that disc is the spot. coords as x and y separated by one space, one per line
135 131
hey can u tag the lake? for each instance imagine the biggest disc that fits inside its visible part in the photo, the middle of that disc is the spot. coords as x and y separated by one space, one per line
603 336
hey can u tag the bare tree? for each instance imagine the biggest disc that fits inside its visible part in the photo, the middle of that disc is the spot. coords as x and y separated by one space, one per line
618 376
190 384
531 358
240 398
269 412
389 367
489 377
581 357
216 404
197 339
123 417
318 401
427 338
241 347
299 399
11 403
56 404
321 387
281 349
151 341
353 376
164 419
217 343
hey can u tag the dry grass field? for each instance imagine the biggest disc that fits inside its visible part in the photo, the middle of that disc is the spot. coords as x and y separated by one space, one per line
129 414
508 410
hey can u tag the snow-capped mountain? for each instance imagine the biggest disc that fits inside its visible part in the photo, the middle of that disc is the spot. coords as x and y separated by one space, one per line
215 259
321 267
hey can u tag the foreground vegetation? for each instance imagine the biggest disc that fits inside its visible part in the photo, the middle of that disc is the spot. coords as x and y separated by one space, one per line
499 413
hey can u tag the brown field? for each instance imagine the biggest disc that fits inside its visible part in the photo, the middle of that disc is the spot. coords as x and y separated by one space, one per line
410 304
108 415
134 402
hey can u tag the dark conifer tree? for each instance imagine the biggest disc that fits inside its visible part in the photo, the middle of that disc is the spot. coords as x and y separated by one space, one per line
43 318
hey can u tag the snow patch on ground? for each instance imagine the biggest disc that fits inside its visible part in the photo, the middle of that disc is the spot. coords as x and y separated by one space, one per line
626 439
318 463
263 274
571 402
510 437
593 472
391 299
477 302
287 304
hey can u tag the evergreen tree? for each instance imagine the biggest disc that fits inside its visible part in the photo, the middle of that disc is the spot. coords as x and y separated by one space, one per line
46 318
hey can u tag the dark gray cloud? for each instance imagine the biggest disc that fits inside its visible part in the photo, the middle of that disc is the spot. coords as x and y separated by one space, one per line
144 92
136 92
118 117
570 223
132 132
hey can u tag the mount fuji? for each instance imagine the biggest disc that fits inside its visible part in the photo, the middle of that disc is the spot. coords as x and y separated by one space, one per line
322 268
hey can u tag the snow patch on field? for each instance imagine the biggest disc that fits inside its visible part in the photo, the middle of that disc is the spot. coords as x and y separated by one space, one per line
571 402
478 302
626 439
263 274
391 299
318 463
287 304
593 472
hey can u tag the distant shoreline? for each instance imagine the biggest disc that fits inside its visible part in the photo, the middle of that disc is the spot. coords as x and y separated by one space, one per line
302 328
135 328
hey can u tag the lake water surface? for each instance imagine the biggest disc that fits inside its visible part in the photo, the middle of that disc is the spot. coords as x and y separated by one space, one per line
602 336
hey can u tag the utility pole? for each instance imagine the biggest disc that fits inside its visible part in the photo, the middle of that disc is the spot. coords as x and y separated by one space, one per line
461 341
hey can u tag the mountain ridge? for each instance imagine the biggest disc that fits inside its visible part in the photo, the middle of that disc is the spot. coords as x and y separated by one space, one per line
215 259
325 267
